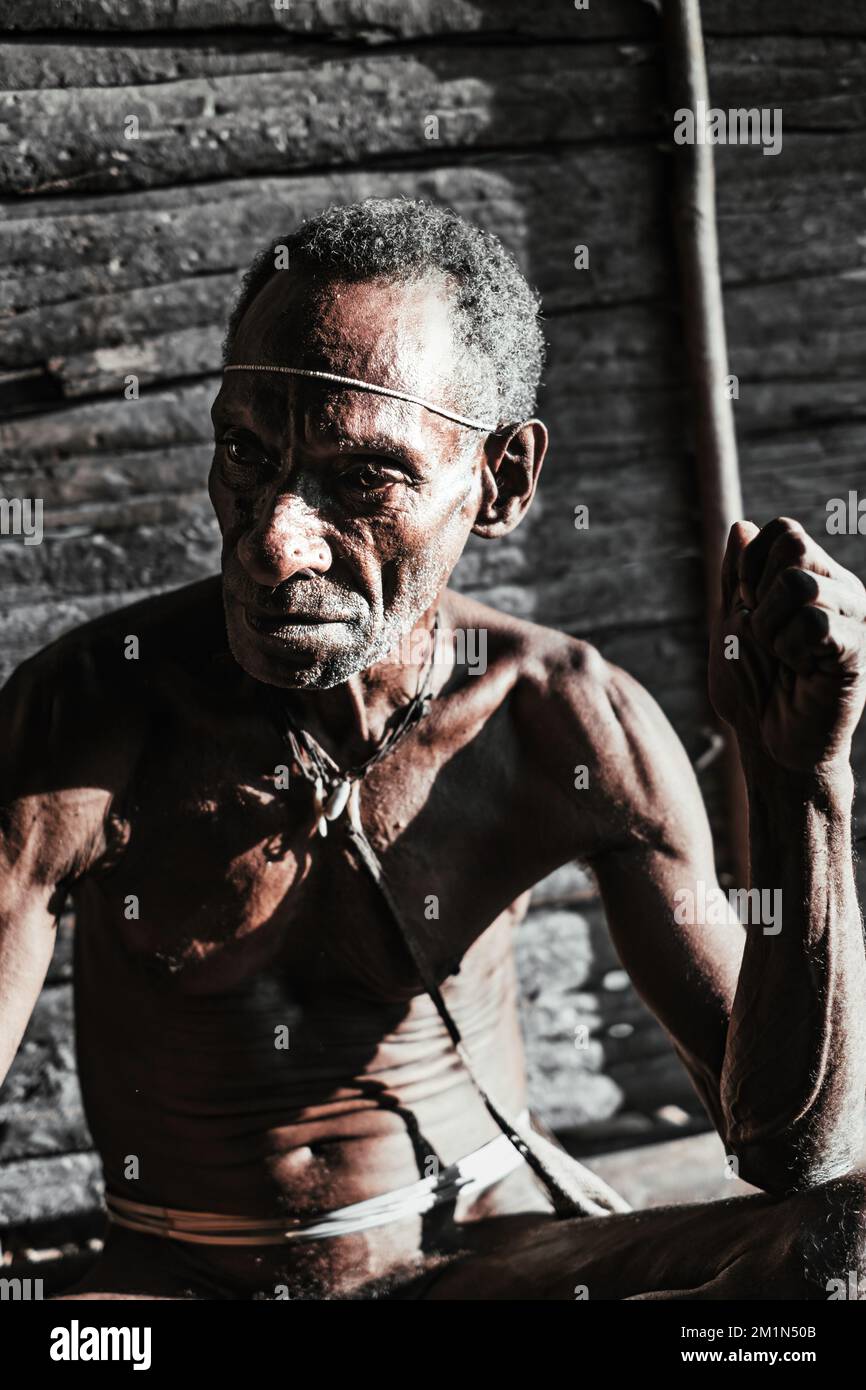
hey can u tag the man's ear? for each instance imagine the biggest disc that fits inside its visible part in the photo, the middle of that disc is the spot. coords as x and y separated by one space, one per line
512 463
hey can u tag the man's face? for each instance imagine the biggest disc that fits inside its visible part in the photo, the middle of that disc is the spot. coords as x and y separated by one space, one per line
342 512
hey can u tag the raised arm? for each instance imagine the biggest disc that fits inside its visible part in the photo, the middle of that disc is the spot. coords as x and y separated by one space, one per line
673 927
638 820
794 1079
771 1020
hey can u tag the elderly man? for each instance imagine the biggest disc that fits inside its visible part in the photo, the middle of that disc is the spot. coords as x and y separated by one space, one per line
299 830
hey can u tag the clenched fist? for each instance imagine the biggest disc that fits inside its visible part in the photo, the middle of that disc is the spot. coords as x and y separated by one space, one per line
794 685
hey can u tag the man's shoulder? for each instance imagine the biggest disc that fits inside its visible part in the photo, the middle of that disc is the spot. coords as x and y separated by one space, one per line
177 628
565 683
561 690
74 717
549 668
577 712
109 672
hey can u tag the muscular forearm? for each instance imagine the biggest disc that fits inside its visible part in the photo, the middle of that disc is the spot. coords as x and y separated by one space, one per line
794 1077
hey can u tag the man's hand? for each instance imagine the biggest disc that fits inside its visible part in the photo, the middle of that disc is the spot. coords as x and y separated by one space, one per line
795 691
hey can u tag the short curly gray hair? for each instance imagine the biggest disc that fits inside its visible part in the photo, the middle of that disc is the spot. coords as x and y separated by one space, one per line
497 312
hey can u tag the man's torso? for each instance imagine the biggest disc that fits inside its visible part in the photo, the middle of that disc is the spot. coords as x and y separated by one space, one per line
253 1036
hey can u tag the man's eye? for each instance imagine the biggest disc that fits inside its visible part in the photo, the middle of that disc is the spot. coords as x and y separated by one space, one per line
372 477
242 465
237 451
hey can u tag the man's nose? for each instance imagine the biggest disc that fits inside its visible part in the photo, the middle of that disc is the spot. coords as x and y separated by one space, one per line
287 540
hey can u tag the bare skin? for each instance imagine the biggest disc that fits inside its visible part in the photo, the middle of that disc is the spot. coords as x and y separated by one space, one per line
156 777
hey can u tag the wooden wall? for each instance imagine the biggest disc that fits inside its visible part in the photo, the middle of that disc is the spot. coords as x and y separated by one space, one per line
121 256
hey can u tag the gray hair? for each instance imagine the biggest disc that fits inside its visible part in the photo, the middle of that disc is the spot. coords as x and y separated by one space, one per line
496 312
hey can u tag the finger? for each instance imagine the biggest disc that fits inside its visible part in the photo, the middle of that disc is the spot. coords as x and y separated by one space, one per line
754 557
790 591
784 544
817 640
739 536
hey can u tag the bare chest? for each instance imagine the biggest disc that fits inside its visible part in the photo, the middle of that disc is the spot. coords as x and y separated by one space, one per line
221 874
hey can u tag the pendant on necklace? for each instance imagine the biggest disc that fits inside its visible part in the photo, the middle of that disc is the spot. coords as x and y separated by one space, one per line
336 802
332 806
319 803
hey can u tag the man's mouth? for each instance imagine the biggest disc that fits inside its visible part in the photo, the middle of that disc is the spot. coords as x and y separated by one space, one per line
283 624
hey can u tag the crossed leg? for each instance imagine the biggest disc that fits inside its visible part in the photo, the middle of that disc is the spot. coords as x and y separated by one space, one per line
753 1248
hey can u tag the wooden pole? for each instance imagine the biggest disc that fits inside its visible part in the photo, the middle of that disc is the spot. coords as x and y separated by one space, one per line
706 345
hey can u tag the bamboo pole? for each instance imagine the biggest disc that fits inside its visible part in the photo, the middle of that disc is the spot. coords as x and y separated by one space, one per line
694 215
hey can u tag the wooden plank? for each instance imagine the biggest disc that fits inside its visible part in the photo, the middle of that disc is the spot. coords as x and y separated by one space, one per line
115 269
346 110
816 82
783 17
365 20
797 474
336 112
97 274
156 541
812 77
172 417
123 476
815 328
798 214
50 1189
778 218
32 64
375 20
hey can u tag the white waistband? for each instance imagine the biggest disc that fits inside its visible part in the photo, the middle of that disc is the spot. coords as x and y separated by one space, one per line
470 1175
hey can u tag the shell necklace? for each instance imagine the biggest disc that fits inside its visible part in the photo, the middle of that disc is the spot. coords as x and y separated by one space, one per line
332 784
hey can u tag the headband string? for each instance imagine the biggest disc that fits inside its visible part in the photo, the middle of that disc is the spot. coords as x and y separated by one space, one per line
366 386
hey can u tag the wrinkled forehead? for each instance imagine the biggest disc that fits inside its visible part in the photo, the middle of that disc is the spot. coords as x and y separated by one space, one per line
285 409
398 335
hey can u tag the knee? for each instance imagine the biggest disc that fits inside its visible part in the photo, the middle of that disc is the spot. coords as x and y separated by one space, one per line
831 1238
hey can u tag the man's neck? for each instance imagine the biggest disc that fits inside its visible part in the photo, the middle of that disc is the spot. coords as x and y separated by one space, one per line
350 719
